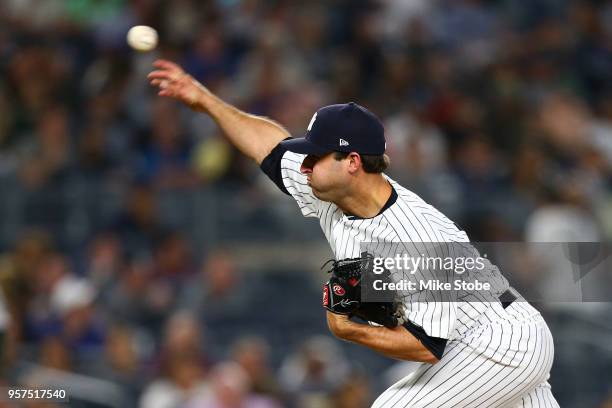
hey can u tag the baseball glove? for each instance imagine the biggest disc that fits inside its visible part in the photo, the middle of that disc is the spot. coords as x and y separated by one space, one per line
342 292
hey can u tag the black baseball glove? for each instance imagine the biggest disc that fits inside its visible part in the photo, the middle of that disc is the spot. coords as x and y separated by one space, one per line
342 293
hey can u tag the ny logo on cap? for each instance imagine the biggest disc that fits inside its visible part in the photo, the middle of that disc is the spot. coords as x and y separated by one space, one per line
343 142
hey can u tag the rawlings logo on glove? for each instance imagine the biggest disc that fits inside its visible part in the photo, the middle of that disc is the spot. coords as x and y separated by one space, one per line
338 290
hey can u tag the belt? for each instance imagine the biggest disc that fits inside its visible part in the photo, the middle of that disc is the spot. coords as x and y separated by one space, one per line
507 298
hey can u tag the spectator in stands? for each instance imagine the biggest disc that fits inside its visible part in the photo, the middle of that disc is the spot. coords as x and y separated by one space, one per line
217 290
252 354
230 387
183 364
316 368
354 392
122 363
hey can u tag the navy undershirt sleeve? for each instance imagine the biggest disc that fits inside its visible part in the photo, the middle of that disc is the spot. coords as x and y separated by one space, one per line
434 344
271 165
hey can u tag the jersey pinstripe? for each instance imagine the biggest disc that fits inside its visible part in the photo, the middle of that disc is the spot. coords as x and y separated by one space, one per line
492 353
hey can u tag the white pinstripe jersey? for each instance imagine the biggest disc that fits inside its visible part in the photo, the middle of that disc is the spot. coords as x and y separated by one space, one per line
493 355
408 219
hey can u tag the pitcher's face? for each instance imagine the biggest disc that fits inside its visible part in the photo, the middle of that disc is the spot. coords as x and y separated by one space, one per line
327 177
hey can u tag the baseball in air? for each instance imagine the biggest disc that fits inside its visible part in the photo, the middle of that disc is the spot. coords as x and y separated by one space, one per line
142 38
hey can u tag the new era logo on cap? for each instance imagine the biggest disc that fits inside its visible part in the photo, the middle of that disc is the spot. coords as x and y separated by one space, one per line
345 128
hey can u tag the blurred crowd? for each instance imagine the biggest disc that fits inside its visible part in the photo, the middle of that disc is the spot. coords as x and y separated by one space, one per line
120 210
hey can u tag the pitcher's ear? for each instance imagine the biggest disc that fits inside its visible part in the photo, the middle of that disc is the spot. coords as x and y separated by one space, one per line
355 163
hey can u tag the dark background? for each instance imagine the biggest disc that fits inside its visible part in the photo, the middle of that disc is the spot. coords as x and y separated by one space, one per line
138 247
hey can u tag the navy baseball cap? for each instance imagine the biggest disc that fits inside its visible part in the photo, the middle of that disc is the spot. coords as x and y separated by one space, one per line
346 127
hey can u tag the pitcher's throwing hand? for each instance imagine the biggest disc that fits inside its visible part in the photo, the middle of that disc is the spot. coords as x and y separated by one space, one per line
176 83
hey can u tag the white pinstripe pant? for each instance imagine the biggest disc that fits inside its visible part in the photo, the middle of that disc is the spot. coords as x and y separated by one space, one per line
504 363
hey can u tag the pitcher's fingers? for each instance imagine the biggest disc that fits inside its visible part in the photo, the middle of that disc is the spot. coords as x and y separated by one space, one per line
159 75
156 82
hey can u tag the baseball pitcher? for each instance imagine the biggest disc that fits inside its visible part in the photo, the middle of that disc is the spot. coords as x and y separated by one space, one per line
474 354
